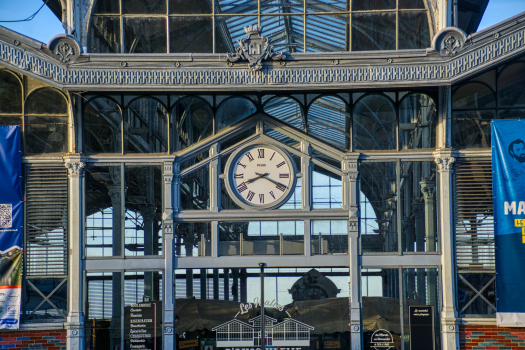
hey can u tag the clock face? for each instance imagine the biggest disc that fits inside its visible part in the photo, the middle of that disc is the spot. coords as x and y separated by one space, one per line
261 177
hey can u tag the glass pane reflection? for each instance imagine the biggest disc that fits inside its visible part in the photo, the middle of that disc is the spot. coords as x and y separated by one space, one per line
261 238
10 93
380 303
104 310
417 122
329 237
304 307
378 198
327 189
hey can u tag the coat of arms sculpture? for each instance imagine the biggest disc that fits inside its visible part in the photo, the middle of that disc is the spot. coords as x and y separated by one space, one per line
254 48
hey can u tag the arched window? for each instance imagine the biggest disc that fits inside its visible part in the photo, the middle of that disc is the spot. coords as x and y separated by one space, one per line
192 120
417 122
286 109
233 110
102 126
511 87
474 105
161 26
328 120
146 126
10 98
374 124
45 126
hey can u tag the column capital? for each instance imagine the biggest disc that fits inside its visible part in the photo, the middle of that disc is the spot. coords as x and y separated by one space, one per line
444 160
74 166
428 188
349 166
350 161
114 194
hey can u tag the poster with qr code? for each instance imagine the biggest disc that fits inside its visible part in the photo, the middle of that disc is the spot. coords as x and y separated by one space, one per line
11 226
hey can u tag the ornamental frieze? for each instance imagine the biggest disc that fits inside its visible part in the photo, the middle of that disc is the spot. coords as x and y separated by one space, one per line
445 63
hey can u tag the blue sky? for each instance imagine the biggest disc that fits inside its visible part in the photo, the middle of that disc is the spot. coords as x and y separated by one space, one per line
45 25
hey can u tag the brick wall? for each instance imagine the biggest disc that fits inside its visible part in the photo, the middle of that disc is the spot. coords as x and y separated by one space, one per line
33 340
491 338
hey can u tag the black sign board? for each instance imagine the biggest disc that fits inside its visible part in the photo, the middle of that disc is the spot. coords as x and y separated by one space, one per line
142 326
422 327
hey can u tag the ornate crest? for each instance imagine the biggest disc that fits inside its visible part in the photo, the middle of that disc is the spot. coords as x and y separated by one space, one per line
254 48
64 48
451 45
64 51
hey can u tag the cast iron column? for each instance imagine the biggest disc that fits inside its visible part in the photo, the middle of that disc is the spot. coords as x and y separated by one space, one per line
350 202
450 335
169 257
75 316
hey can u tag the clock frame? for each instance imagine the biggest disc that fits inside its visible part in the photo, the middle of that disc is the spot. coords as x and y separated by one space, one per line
249 189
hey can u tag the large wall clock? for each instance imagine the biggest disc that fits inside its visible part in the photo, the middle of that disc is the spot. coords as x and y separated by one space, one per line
260 176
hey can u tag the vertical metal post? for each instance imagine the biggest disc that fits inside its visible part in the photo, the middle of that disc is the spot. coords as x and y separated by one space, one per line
75 316
450 329
168 302
263 325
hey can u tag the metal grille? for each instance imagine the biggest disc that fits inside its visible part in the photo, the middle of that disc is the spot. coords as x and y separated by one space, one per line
46 221
474 216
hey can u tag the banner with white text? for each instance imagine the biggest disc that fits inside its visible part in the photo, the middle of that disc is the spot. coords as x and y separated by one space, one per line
508 186
11 226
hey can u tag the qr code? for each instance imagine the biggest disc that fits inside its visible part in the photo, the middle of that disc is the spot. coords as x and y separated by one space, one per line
6 215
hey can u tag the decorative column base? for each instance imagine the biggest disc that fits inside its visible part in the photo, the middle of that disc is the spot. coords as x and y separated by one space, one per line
75 335
450 334
355 329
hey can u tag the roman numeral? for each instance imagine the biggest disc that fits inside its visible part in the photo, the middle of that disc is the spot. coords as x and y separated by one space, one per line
284 176
250 157
261 152
281 164
239 163
281 187
242 187
238 176
250 195
261 198
271 194
272 155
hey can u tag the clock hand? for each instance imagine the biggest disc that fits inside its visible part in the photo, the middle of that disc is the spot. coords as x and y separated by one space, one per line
255 178
275 182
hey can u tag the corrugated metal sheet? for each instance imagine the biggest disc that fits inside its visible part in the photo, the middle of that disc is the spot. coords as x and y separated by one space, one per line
46 221
474 219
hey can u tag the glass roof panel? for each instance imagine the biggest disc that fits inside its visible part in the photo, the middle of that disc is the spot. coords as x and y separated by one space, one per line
326 33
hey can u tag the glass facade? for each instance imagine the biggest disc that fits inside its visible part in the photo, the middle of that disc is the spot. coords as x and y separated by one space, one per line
129 194
127 123
173 26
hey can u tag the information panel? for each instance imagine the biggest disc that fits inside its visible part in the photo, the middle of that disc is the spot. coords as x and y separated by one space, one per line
142 326
11 226
421 319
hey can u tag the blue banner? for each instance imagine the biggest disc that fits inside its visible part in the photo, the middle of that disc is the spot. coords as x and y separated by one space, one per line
11 226
508 187
11 208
